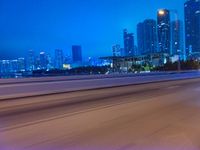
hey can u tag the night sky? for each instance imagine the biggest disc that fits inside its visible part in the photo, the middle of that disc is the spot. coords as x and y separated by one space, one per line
44 25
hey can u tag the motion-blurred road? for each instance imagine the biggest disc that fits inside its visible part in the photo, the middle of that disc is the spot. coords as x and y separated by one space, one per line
154 116
12 88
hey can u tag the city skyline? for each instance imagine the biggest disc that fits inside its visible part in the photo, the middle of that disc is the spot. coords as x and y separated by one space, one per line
97 43
99 74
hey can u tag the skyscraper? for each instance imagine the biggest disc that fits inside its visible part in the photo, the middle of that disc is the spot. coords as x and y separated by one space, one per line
140 37
192 26
43 60
128 43
147 37
116 50
5 66
59 58
177 37
21 64
31 61
77 53
150 40
50 62
163 29
14 65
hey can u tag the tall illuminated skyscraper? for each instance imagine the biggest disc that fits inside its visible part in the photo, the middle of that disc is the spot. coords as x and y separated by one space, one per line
31 61
59 58
177 37
43 60
128 43
50 62
5 66
14 65
192 26
140 38
147 37
163 29
21 64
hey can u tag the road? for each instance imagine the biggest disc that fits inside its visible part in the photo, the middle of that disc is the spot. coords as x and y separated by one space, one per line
154 116
13 88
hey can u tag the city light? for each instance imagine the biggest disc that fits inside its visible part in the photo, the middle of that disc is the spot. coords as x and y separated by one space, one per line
160 39
97 75
161 12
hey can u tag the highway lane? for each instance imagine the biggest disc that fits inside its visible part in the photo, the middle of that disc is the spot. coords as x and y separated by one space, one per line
83 77
156 116
43 87
80 77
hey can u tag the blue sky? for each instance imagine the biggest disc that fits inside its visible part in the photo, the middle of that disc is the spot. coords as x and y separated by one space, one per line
44 25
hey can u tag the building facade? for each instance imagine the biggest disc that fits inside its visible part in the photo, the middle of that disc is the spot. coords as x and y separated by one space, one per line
140 38
177 37
128 43
192 26
147 37
163 30
77 54
31 61
43 61
150 36
59 59
116 50
21 64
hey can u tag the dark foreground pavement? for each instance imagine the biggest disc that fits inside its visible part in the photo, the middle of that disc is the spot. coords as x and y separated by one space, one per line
155 116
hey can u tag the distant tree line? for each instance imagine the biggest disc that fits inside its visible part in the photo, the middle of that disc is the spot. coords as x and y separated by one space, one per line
75 71
139 68
136 68
185 65
169 66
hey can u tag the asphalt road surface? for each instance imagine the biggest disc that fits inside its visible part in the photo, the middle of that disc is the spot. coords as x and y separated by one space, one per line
155 116
10 88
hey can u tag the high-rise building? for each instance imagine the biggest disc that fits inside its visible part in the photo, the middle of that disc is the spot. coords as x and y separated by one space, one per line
67 59
21 64
42 61
37 63
192 26
31 61
122 52
50 62
150 40
177 37
128 43
140 37
116 50
77 53
163 29
136 51
14 65
5 66
147 37
59 58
